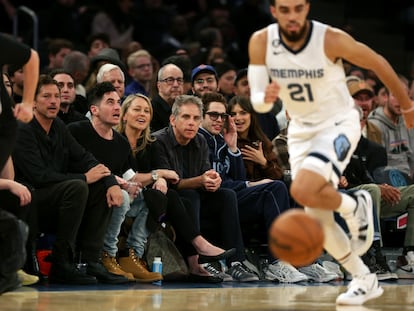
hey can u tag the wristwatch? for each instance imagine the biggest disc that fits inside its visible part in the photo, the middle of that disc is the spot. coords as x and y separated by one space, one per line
154 175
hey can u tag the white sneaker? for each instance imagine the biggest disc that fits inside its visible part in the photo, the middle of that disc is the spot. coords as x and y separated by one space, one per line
284 273
214 272
333 267
407 271
361 223
317 273
360 290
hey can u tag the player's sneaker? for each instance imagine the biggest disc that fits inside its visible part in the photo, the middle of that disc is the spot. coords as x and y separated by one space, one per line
360 290
317 273
361 223
283 272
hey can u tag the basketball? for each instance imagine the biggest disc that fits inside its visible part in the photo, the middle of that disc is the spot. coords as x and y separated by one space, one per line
296 237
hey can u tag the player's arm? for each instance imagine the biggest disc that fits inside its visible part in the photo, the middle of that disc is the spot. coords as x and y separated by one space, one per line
262 95
339 44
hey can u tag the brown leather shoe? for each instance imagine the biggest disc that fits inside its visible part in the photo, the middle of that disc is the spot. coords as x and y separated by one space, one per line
133 265
112 266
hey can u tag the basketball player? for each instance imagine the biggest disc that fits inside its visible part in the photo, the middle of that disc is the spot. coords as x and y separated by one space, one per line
303 60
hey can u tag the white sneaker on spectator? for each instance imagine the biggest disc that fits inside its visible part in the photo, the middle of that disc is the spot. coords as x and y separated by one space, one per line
361 223
318 273
284 273
407 271
360 290
333 267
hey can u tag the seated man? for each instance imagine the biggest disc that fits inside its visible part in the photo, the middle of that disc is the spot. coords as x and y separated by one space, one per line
185 151
74 193
258 201
113 150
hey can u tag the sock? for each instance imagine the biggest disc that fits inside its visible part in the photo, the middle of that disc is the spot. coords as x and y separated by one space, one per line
347 206
354 265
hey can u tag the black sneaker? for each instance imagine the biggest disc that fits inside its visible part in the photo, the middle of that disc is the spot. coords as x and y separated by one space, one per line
97 270
67 273
377 263
241 273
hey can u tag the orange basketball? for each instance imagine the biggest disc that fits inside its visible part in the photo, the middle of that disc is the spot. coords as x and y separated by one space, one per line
296 237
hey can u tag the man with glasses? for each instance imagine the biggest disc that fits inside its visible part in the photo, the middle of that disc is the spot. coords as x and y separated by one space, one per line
260 201
183 150
170 85
141 71
204 80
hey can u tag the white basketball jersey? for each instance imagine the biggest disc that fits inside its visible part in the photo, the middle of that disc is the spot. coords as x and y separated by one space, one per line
313 88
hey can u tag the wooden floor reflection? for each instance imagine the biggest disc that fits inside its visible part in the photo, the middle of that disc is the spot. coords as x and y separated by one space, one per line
277 297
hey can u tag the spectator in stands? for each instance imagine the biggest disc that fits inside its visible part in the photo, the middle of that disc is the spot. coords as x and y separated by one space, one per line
112 150
183 61
97 42
105 56
204 80
226 73
141 71
113 74
185 151
115 19
259 159
77 64
74 193
66 83
57 50
363 95
260 199
170 85
396 137
136 113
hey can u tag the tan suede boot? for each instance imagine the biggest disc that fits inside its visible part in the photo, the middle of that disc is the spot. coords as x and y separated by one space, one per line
112 266
133 265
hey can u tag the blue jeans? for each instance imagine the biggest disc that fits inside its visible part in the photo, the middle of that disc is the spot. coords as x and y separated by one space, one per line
137 237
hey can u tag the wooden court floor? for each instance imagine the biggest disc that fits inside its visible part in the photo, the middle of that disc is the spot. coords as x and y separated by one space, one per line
185 297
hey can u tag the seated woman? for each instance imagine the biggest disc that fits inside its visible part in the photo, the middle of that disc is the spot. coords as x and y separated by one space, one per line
136 114
261 162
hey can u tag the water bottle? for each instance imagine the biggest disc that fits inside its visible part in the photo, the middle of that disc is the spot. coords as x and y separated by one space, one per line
157 267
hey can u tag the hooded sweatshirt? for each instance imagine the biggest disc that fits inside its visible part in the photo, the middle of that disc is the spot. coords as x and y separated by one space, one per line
396 140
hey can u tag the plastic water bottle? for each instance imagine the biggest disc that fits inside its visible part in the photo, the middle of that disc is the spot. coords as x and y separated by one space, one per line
157 267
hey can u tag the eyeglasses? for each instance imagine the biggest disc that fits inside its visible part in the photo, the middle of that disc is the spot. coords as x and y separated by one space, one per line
215 115
201 81
170 80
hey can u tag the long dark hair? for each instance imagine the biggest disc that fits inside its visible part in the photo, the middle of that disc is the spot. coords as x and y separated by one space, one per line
255 131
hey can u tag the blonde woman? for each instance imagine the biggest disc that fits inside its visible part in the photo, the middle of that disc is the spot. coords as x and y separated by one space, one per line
136 114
